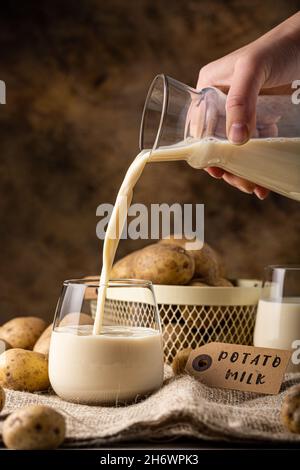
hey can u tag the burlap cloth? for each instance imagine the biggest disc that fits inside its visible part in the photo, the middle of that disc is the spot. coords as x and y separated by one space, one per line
182 408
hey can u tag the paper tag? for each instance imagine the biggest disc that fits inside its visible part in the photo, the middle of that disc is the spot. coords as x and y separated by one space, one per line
239 367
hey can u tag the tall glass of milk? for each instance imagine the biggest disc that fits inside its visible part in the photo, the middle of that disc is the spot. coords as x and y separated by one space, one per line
121 364
278 314
181 123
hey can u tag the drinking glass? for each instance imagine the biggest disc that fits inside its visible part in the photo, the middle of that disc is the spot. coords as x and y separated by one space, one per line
121 364
278 314
181 123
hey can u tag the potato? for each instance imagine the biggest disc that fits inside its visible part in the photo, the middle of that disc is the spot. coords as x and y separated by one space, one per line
198 282
4 345
35 427
2 398
43 343
208 265
23 332
222 282
76 319
290 411
164 264
161 264
180 360
24 370
123 268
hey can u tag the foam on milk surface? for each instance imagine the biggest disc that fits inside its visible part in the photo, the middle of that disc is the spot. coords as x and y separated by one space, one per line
108 331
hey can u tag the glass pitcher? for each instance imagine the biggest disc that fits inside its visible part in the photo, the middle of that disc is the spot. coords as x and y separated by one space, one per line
181 123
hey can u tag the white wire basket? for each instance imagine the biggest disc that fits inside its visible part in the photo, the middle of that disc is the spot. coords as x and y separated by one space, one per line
191 315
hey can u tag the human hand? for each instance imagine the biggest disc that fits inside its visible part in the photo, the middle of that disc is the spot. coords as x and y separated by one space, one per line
268 64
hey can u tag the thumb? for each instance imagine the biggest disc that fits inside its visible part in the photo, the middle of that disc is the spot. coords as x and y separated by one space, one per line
241 101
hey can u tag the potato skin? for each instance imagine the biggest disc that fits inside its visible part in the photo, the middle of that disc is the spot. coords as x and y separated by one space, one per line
164 264
24 370
76 319
208 265
198 282
290 411
222 282
43 343
34 428
4 345
123 268
2 398
22 332
180 360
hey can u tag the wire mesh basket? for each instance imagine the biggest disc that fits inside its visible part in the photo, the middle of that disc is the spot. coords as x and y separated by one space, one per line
192 315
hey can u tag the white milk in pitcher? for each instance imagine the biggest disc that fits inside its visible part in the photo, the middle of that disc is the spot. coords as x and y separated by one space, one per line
273 163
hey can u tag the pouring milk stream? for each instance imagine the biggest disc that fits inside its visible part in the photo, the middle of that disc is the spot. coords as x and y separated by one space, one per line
272 162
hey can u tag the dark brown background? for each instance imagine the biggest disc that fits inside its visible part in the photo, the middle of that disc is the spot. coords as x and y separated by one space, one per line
77 73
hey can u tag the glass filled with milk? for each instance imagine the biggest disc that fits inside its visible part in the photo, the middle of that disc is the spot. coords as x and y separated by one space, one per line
181 123
121 364
278 314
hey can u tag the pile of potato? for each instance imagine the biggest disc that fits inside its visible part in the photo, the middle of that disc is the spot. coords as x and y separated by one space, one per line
24 360
24 348
170 262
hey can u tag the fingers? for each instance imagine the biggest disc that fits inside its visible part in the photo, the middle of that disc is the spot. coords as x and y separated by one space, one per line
239 183
215 172
248 78
217 73
245 186
270 130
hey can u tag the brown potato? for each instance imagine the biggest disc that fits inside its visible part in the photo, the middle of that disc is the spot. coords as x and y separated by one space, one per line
35 427
21 369
4 345
164 264
208 265
76 319
222 282
290 411
198 282
123 268
180 360
23 332
43 343
2 398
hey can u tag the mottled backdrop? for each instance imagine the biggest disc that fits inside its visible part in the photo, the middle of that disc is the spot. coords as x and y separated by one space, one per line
77 73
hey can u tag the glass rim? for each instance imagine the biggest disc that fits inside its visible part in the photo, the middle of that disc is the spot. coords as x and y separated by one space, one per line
93 281
164 79
286 267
